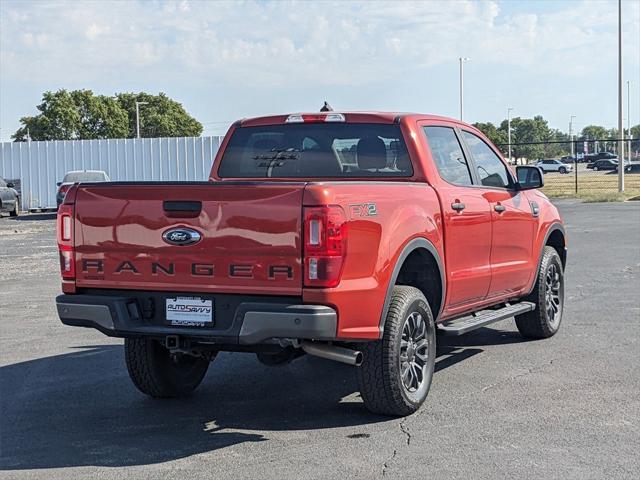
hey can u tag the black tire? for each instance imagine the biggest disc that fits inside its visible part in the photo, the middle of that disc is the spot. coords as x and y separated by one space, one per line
595 169
382 387
155 372
562 170
16 209
544 321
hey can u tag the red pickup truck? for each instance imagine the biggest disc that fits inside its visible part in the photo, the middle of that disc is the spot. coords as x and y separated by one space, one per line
349 236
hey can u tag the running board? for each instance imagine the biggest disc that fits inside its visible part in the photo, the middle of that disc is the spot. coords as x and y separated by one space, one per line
462 325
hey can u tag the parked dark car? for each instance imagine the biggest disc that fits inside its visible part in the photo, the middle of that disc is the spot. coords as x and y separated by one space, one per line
579 158
9 199
78 176
604 164
593 157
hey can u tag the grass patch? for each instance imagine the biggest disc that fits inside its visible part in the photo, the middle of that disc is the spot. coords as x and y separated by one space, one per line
592 186
607 196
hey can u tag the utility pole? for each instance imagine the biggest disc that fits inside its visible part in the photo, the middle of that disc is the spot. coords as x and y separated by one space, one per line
571 136
620 110
628 123
462 60
509 132
138 117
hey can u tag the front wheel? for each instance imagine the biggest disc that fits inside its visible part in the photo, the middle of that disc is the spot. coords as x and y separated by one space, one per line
16 209
563 170
156 372
548 296
595 169
397 370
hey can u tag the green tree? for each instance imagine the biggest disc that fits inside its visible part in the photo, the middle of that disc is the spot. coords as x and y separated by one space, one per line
497 137
58 119
74 115
555 150
81 115
594 132
635 134
528 131
160 117
100 116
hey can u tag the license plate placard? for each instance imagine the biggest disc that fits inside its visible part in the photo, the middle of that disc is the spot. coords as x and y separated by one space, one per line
189 312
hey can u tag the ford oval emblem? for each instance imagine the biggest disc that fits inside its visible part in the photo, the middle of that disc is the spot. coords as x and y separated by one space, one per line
181 236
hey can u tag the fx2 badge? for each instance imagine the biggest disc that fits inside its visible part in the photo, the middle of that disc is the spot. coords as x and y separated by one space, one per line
363 210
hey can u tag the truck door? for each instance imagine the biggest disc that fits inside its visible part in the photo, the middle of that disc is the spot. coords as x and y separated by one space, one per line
512 220
467 220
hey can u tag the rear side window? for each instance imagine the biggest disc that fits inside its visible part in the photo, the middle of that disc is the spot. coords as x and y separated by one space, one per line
447 155
491 170
334 150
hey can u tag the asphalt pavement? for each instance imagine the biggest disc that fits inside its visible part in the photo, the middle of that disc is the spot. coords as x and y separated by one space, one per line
499 407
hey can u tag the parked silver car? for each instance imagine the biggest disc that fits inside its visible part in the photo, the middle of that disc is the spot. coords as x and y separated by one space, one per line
9 200
553 165
78 176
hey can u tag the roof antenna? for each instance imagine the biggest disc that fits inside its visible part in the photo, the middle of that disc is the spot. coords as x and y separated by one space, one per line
326 107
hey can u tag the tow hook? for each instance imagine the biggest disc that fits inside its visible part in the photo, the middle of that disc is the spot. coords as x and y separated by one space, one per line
172 342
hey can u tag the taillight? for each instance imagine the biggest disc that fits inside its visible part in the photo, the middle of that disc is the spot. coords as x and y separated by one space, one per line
64 189
325 245
66 242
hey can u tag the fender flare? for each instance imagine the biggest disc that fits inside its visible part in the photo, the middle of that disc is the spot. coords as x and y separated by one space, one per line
410 247
556 226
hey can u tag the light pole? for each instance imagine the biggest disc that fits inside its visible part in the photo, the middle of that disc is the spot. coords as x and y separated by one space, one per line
628 124
138 117
620 112
571 135
462 60
509 132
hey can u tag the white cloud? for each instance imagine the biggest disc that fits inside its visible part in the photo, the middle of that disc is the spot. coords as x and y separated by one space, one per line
356 47
94 30
327 43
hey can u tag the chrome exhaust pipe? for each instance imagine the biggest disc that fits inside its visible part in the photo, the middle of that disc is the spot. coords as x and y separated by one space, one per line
331 352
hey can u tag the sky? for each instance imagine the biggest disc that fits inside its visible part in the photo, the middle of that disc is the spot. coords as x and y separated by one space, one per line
229 60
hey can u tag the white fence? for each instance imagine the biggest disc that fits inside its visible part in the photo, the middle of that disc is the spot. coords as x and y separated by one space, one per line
35 167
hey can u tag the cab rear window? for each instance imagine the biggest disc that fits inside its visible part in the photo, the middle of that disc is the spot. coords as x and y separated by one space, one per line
332 150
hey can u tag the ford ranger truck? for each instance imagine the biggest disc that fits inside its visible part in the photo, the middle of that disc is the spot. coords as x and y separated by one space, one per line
348 236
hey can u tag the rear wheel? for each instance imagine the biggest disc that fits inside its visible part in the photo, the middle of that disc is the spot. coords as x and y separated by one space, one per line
397 370
548 296
156 372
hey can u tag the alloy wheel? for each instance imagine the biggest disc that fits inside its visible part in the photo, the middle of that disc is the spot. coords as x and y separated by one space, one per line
553 295
414 351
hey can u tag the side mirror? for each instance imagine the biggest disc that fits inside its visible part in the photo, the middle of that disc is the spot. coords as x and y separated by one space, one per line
58 184
10 185
529 177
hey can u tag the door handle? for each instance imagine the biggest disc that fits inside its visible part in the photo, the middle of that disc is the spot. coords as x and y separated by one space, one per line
499 208
458 206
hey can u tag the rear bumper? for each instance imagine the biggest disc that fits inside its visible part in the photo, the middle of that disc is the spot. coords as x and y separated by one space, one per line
250 323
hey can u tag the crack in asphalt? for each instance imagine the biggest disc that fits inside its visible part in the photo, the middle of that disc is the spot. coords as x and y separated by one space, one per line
538 368
405 430
385 466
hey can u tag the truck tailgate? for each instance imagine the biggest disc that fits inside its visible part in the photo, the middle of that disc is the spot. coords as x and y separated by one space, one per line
249 236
